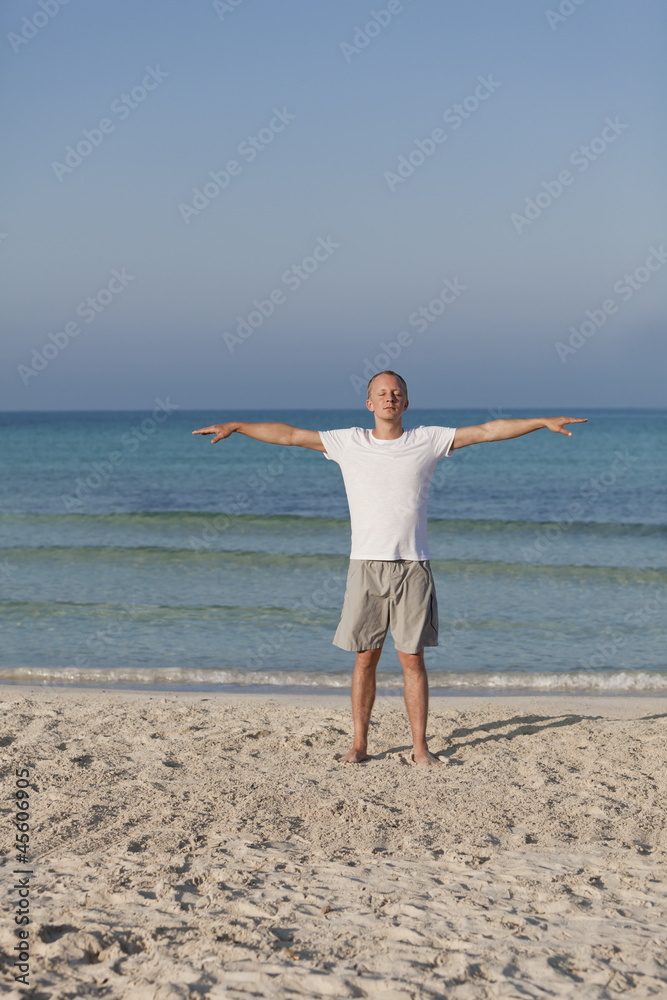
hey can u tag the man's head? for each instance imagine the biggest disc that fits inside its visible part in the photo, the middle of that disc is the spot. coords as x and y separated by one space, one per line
387 396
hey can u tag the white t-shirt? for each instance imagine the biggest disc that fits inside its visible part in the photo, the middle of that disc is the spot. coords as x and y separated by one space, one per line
387 484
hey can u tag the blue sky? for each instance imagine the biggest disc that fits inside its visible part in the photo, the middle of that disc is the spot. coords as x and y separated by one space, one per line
312 252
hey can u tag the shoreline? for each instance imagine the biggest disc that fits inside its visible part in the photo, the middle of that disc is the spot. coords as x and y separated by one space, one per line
493 695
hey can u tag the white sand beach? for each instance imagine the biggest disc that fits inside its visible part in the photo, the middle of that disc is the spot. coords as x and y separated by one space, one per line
210 845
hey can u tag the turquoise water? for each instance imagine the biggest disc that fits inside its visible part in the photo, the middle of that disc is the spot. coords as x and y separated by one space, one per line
135 553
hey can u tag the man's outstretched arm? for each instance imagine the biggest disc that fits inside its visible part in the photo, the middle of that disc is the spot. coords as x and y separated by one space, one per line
503 430
271 433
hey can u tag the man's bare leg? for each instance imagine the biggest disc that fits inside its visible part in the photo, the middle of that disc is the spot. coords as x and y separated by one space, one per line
363 697
416 701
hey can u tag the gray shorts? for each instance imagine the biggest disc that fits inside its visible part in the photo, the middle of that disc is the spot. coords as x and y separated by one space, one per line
388 592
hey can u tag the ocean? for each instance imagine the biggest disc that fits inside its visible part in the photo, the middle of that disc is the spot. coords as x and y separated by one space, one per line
134 554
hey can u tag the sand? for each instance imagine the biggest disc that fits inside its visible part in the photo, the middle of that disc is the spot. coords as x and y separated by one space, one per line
210 845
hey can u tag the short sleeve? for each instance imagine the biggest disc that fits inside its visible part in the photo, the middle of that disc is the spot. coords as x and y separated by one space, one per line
335 442
442 439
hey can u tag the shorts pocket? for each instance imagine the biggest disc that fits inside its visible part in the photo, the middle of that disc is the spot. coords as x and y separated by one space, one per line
434 612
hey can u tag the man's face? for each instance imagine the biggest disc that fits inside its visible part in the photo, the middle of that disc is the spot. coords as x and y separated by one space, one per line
387 399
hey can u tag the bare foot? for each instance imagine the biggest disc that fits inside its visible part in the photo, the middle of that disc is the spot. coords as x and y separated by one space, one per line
354 757
425 758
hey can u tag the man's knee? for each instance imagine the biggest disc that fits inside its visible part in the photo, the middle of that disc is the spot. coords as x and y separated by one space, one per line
413 662
368 657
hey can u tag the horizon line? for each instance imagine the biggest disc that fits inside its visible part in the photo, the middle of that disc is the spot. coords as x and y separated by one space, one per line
341 409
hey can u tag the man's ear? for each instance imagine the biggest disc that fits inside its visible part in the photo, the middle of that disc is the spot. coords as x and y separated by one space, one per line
369 405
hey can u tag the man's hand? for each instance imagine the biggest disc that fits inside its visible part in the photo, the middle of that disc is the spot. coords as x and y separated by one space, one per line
220 430
557 424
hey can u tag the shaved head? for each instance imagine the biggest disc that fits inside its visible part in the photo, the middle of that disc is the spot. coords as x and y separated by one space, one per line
400 378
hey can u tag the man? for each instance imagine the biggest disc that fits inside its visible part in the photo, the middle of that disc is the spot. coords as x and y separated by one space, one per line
387 473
